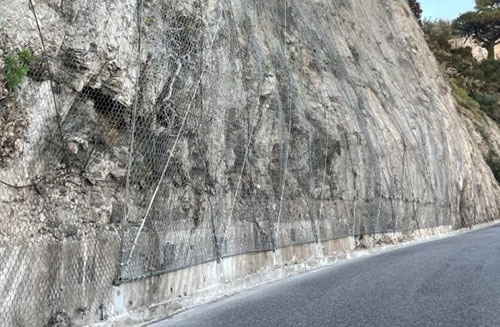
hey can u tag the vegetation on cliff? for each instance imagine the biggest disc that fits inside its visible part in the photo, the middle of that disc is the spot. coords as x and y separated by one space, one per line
475 84
483 24
17 65
417 10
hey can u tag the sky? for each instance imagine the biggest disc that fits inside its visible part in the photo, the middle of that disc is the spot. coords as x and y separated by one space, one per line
445 9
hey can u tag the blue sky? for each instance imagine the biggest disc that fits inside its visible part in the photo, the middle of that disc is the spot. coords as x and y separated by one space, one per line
446 9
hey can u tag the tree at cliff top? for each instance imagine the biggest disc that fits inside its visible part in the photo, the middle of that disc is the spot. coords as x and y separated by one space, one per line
476 84
417 10
483 24
495 4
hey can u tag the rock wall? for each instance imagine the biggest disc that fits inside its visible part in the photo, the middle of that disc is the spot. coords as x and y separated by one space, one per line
252 125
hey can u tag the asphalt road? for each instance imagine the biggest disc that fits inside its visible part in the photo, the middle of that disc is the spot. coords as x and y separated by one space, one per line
450 282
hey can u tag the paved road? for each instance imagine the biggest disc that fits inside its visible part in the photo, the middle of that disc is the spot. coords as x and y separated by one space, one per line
449 282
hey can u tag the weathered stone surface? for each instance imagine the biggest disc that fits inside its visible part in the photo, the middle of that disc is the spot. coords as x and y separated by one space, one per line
336 123
349 110
60 320
117 213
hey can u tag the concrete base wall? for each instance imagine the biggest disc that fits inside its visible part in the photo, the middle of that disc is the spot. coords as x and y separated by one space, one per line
141 302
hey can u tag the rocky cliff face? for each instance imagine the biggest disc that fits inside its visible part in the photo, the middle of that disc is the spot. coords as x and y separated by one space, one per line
255 125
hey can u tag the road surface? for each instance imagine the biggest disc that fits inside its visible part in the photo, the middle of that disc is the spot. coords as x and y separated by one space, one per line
450 282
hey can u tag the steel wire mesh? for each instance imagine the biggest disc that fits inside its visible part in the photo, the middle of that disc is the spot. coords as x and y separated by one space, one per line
183 192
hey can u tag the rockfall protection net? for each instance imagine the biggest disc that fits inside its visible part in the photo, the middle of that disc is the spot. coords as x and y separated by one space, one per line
185 198
46 284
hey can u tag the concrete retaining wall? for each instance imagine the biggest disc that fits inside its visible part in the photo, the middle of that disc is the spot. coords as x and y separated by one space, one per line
141 302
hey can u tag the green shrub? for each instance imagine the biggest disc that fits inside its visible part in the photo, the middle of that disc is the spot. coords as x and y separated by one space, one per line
493 160
491 72
437 33
17 65
490 104
475 84
463 98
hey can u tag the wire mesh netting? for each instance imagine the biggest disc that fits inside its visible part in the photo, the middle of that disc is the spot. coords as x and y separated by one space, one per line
138 135
40 284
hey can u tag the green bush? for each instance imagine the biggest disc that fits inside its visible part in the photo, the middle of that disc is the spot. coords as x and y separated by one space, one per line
17 65
490 104
463 98
491 72
437 34
476 85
